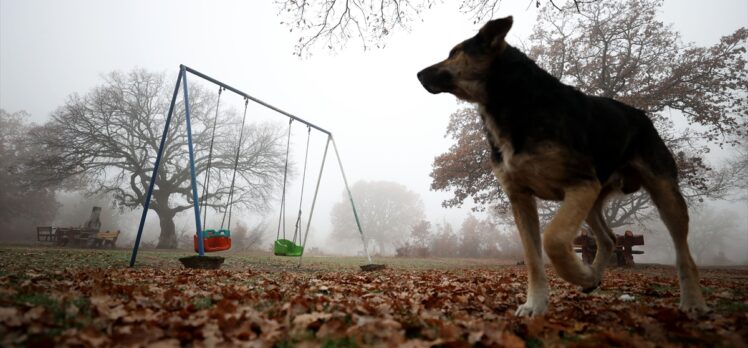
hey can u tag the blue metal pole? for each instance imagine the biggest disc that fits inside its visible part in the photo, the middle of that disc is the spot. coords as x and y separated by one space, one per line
200 247
147 203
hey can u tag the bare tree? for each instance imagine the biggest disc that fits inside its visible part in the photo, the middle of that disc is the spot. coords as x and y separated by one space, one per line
713 232
716 237
419 241
110 137
248 237
332 23
510 245
386 209
478 237
446 242
736 172
421 234
24 203
620 50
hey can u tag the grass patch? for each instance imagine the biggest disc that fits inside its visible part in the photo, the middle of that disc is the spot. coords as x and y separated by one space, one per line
346 342
570 339
37 299
19 259
732 307
62 318
533 342
201 303
660 289
285 344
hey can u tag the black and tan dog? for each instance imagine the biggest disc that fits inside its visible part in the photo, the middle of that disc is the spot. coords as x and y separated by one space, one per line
551 141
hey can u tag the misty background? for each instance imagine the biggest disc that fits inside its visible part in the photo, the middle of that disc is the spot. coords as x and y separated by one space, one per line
387 128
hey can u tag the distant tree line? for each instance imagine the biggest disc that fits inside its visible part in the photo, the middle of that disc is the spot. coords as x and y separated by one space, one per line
476 238
23 203
393 222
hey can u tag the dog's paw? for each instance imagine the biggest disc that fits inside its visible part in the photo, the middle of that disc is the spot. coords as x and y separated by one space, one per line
590 289
531 309
693 302
696 308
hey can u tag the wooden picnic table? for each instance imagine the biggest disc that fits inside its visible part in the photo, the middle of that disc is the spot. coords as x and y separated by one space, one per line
624 252
76 236
46 234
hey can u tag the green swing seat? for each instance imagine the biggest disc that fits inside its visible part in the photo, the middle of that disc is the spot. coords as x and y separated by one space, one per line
285 247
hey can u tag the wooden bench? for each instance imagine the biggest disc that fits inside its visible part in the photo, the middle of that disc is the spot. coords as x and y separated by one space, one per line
624 253
75 236
106 239
83 236
46 234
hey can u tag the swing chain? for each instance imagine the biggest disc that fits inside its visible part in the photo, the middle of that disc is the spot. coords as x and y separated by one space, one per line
281 218
206 183
230 202
297 229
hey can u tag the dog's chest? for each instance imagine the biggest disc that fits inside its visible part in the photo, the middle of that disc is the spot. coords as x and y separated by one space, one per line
501 140
539 169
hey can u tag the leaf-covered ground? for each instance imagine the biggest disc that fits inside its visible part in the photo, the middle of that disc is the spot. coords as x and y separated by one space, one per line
90 298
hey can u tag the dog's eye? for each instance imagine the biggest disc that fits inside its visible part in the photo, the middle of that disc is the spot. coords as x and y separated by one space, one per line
452 53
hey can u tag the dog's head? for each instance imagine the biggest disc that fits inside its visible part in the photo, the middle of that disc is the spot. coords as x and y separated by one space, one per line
464 72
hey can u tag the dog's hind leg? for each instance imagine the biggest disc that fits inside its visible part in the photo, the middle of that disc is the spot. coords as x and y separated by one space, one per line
558 237
526 217
674 213
604 237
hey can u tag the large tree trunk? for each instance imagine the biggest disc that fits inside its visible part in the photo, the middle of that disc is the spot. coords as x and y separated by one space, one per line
168 237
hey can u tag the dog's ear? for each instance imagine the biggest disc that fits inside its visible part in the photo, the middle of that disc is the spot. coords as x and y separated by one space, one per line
495 31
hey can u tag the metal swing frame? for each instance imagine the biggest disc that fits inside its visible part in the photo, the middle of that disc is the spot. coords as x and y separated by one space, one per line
182 80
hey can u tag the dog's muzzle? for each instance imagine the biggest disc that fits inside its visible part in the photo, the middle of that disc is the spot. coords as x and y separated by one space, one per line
436 80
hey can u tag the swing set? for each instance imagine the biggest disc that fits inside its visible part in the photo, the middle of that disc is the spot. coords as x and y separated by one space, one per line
211 240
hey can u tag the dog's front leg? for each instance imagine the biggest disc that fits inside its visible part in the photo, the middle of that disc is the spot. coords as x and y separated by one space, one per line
558 236
526 218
